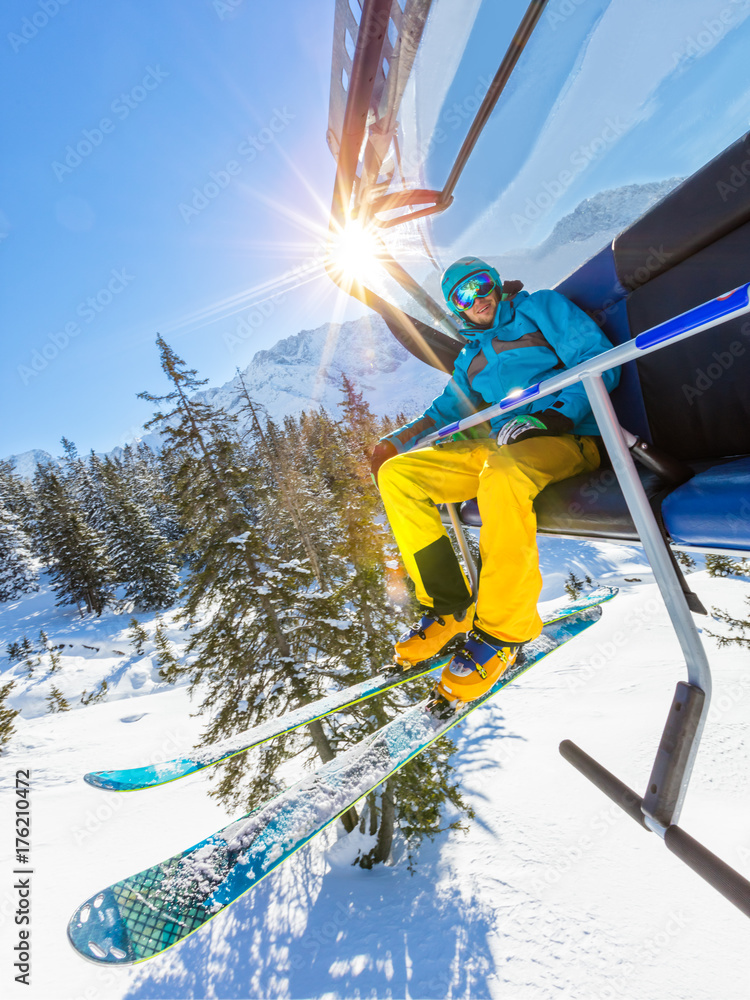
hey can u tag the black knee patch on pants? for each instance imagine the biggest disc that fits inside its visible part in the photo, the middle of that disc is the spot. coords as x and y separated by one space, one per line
441 576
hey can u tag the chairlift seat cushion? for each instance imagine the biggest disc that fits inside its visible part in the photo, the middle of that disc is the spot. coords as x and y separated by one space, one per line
713 508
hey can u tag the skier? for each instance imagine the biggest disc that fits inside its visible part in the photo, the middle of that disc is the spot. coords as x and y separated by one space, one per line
513 339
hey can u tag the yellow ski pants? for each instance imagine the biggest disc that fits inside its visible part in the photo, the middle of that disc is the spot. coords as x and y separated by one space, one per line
505 479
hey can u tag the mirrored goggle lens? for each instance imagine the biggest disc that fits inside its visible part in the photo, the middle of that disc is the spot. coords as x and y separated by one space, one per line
475 287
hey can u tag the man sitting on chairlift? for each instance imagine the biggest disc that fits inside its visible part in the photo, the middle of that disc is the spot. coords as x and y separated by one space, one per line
513 340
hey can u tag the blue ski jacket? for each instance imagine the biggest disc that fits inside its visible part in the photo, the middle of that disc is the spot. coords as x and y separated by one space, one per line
533 336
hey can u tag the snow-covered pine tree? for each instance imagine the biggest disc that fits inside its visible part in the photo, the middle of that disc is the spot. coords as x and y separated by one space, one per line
95 695
138 636
741 626
415 796
291 484
56 702
726 566
250 649
149 481
143 562
17 573
165 656
75 553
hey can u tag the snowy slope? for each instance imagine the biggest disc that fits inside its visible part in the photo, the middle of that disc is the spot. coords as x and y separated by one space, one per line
550 893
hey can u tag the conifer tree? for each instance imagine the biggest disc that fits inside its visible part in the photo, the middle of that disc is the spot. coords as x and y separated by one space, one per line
142 560
76 555
726 566
414 797
94 696
138 636
7 716
741 626
251 652
168 662
56 702
17 573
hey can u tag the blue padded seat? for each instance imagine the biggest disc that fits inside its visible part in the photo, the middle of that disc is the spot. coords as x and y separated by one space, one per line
713 508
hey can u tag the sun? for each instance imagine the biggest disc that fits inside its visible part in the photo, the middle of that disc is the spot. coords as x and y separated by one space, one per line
354 253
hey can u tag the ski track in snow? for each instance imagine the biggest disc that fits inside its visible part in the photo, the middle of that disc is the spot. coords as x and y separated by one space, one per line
552 892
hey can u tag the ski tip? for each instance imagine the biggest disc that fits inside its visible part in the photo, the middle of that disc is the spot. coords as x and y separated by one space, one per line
102 779
97 932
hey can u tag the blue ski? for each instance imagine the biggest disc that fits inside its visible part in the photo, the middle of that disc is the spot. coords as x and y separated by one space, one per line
151 775
141 916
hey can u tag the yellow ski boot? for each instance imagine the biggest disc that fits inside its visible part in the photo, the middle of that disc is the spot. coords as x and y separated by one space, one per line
427 637
472 672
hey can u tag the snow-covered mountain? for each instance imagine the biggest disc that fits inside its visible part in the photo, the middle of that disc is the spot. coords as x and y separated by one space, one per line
24 464
575 237
304 372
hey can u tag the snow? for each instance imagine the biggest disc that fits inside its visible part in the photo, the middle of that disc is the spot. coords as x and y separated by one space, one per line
552 891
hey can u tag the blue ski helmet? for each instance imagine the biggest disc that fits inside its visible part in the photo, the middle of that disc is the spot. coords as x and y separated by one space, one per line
460 271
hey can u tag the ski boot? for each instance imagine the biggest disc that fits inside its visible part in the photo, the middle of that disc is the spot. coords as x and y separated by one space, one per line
431 634
471 672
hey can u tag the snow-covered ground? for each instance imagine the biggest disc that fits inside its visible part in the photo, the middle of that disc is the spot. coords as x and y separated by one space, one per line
551 893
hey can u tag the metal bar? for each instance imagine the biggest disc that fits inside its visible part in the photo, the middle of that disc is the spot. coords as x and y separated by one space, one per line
673 766
511 57
711 868
471 566
716 872
669 775
604 780
703 317
648 530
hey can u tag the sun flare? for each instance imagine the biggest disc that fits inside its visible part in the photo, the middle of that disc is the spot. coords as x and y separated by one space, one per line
355 253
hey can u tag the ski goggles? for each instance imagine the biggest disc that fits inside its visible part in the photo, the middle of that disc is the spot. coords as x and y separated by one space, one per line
476 287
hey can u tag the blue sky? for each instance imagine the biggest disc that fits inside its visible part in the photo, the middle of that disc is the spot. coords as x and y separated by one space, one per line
160 160
166 169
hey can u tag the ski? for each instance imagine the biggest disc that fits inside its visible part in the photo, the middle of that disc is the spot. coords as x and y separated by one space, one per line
141 916
152 775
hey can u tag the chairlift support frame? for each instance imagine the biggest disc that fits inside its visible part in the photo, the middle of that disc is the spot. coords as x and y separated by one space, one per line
352 143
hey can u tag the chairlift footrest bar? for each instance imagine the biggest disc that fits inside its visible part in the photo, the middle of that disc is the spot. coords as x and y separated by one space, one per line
604 780
711 868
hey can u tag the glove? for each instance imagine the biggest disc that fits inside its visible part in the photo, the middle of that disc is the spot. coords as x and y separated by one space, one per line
382 451
547 422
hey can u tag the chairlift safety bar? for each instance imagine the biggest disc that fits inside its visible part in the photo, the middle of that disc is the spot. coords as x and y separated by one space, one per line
708 314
